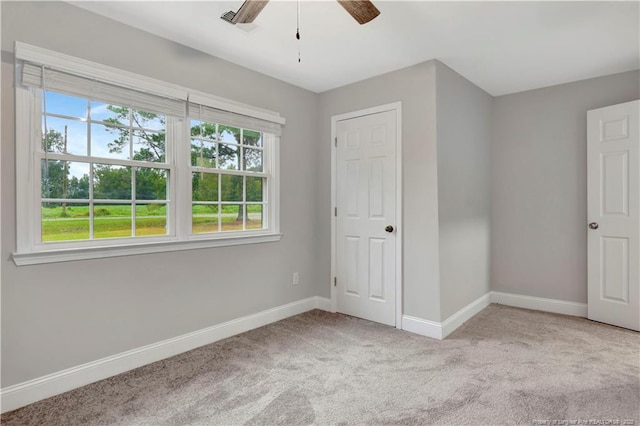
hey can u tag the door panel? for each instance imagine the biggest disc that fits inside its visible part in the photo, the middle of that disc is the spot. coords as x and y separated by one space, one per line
615 178
615 269
376 268
613 164
366 204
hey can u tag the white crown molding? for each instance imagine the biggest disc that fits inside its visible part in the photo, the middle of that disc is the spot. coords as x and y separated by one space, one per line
28 392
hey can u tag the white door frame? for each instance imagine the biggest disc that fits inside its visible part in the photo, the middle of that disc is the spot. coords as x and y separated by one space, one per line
397 107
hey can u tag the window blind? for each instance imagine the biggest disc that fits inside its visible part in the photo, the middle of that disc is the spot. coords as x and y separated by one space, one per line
80 86
214 115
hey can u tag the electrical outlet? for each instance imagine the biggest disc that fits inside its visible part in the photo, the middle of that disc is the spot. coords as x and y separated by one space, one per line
296 278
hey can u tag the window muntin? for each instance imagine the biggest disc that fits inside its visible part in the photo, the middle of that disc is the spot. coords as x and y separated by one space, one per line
97 180
229 180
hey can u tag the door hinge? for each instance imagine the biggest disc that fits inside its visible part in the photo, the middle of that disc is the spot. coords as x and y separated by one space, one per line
335 140
335 211
335 281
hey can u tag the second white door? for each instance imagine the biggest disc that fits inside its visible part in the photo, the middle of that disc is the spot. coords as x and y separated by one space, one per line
366 217
613 174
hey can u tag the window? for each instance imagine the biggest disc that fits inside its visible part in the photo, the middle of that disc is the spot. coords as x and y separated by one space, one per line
104 170
228 178
111 163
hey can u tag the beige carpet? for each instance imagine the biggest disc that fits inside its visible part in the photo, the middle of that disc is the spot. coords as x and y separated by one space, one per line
504 366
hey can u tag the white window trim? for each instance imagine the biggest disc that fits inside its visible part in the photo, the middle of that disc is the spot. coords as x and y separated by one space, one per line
27 200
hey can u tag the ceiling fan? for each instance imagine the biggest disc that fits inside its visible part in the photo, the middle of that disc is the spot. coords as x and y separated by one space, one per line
362 11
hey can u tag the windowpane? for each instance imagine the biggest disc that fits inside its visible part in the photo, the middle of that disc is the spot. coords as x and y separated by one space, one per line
64 222
52 178
155 209
229 156
111 182
151 184
109 141
232 217
231 189
251 138
111 220
255 188
196 151
57 103
151 219
252 159
204 187
64 179
112 114
204 218
148 120
204 130
149 146
203 154
229 134
64 136
255 216
195 127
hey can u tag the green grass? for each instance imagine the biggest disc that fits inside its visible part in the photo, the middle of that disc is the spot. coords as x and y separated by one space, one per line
75 211
114 221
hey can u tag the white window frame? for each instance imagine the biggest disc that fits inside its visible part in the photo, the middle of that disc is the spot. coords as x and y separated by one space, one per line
30 249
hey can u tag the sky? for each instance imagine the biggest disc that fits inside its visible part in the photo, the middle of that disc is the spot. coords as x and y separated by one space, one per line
83 125
86 131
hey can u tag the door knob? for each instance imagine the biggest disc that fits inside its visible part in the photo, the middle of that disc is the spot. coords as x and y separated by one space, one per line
593 225
389 228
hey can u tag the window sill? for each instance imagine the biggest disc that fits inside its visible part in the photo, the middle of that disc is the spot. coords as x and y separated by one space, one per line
66 255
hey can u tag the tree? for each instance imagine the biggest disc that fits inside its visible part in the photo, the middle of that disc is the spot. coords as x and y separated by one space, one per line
54 173
204 185
78 188
115 182
154 143
151 183
112 182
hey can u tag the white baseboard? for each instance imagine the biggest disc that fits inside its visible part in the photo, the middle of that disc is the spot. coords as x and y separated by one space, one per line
540 304
440 330
25 393
465 314
323 304
422 327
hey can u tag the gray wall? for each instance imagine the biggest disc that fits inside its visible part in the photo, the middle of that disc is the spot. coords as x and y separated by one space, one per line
464 189
56 316
539 185
415 88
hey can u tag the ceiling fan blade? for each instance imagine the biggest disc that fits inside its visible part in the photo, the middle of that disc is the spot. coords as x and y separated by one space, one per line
362 11
249 10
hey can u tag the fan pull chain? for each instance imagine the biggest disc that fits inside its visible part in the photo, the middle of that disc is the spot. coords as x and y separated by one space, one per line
298 29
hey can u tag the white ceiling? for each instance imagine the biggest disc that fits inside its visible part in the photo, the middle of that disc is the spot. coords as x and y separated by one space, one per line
503 47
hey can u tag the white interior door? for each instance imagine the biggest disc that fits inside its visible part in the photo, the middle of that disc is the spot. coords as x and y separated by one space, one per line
366 217
613 157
